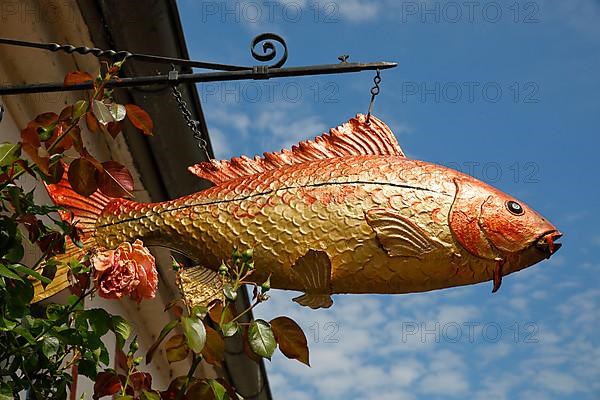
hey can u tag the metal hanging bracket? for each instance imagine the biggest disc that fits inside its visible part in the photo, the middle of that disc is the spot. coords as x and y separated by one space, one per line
224 72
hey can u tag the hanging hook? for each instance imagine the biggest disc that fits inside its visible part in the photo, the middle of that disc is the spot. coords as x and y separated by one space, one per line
187 115
1 112
374 92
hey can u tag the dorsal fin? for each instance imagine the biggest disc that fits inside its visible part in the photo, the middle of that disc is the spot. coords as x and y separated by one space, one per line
352 138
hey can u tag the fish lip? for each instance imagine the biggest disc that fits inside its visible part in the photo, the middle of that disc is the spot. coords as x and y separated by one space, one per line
546 242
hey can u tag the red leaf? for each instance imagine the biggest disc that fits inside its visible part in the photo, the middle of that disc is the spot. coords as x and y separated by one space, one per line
66 115
176 348
217 309
65 142
214 350
55 172
140 381
75 135
38 155
114 128
107 384
91 122
79 283
290 338
116 180
45 119
121 359
140 119
30 136
73 78
174 386
52 244
23 164
33 226
83 176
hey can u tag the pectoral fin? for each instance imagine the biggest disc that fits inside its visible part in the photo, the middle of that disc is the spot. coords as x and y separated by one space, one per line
399 236
200 285
498 274
314 271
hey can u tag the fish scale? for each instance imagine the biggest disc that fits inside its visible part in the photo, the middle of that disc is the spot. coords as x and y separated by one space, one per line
345 213
296 215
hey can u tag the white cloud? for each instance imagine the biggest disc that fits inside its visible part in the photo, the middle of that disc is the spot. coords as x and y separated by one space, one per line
558 382
358 10
447 383
406 371
492 352
221 147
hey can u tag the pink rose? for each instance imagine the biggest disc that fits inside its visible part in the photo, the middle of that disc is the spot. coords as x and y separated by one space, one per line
129 270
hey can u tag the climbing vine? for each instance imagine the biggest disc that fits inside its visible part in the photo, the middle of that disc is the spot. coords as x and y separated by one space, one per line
46 347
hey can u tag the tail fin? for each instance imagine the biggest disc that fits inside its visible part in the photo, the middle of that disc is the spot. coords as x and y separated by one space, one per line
84 211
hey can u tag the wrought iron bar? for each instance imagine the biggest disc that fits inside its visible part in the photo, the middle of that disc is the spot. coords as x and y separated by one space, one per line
268 40
260 72
226 72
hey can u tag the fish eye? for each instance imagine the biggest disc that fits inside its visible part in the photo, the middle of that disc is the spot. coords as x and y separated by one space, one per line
514 208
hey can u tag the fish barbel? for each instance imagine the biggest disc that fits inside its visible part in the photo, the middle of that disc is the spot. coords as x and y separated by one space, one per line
346 213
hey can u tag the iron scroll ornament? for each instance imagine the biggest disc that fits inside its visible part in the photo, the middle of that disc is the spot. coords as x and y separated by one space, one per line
269 52
269 49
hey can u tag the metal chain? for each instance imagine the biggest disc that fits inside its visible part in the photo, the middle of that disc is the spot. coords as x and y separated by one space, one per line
374 92
187 116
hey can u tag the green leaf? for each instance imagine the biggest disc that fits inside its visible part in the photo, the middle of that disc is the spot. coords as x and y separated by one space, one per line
99 320
15 253
54 312
199 311
230 328
121 329
118 111
4 271
218 390
261 338
163 333
194 332
88 368
50 346
101 112
146 395
19 295
49 270
28 271
7 325
21 331
6 392
79 108
229 292
133 346
73 300
9 153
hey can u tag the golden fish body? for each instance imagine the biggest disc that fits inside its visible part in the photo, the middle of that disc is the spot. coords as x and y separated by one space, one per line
348 213
283 214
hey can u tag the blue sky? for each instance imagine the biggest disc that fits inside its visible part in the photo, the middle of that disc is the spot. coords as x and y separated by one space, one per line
506 91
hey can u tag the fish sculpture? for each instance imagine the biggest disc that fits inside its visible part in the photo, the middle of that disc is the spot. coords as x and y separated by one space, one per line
345 213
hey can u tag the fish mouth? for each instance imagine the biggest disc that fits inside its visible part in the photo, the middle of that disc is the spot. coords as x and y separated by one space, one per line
547 242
